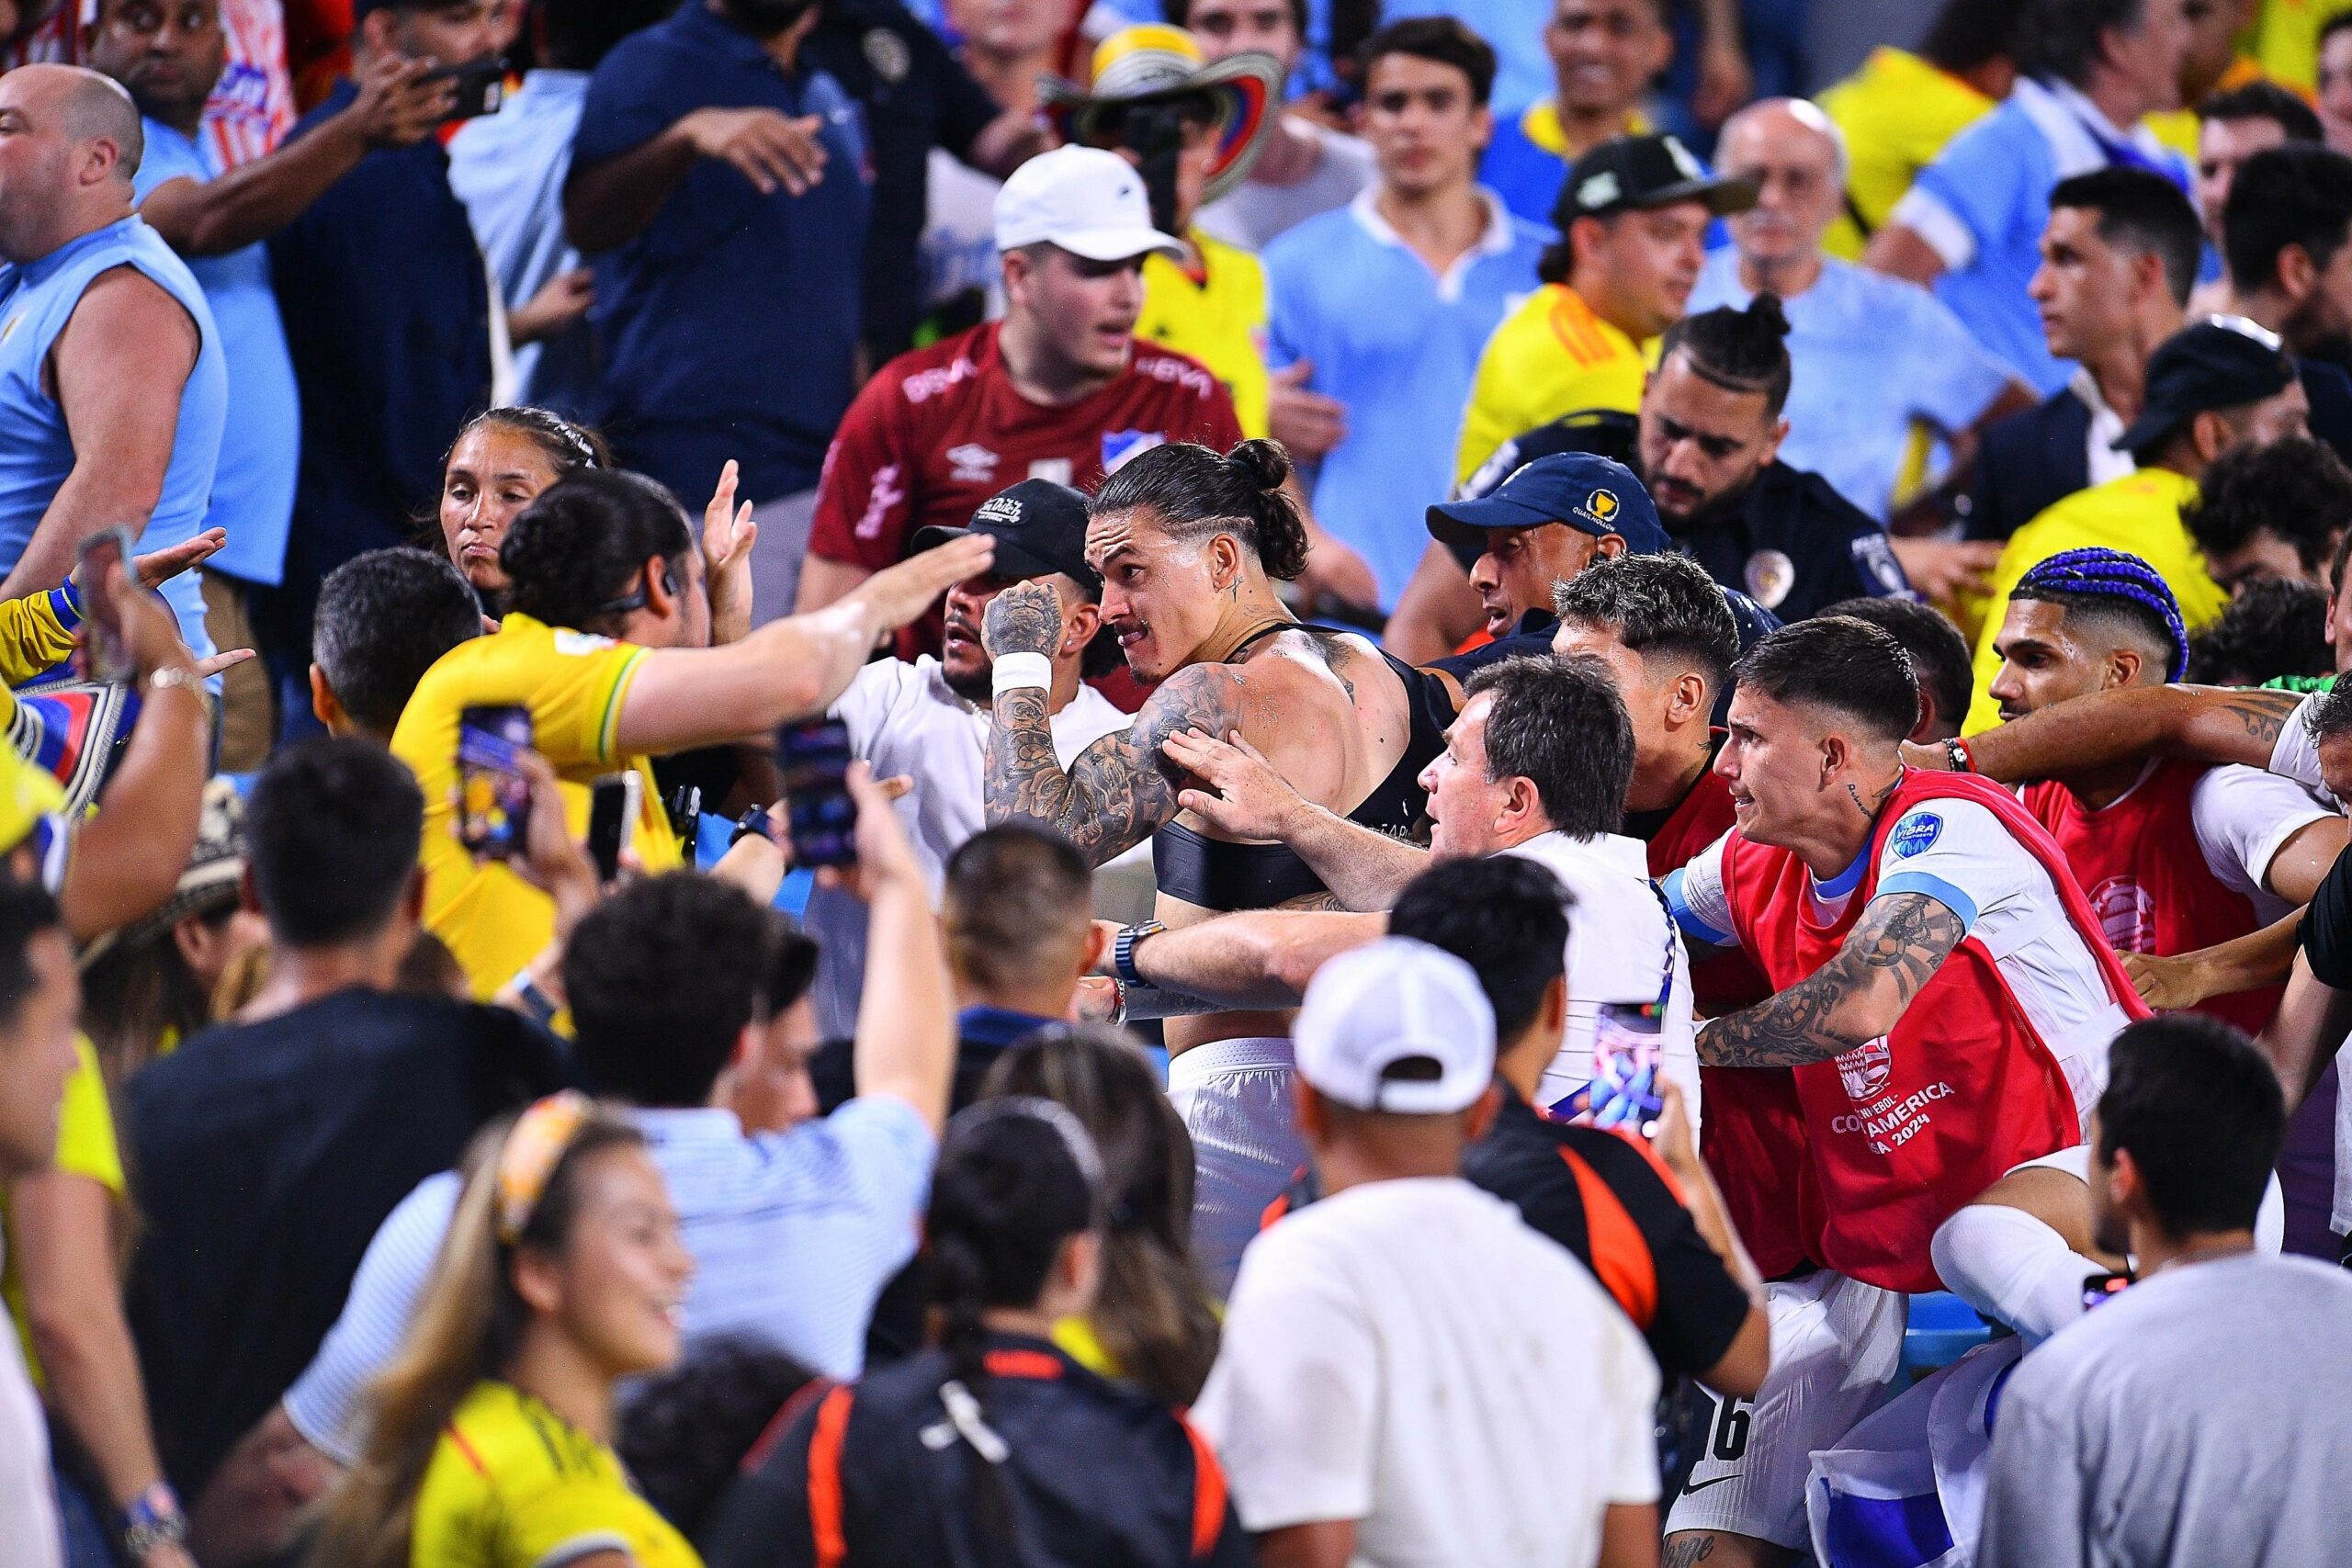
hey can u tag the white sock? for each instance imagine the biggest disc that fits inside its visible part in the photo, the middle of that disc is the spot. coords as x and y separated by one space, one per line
2011 1266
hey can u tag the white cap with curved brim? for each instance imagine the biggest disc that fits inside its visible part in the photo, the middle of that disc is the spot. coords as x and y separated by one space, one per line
1396 1026
1088 202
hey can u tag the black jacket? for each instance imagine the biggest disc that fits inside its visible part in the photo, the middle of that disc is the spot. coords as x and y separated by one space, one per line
1794 545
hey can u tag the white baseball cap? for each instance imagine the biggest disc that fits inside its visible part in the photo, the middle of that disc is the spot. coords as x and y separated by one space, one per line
1088 202
1373 1007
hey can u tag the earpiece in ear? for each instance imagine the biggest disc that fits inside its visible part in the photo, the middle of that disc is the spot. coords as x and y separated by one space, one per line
669 583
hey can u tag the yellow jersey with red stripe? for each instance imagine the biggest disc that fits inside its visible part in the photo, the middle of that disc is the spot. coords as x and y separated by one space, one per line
513 1484
573 684
1553 355
86 1147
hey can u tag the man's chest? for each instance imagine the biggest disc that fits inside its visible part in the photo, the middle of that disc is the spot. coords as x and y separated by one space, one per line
970 453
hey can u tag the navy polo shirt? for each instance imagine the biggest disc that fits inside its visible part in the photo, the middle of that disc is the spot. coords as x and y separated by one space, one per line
387 313
730 326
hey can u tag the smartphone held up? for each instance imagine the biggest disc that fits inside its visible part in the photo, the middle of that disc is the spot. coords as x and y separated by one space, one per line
813 758
493 804
105 649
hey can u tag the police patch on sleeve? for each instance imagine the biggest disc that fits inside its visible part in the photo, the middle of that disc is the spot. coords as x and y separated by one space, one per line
1874 559
1914 833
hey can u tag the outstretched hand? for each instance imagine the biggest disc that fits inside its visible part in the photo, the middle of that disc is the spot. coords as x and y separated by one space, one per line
1246 797
155 567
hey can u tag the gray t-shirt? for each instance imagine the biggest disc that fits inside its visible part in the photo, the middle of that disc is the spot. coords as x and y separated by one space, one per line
1251 214
2199 1418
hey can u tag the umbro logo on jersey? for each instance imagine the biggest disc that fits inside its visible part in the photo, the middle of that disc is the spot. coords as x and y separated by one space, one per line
974 463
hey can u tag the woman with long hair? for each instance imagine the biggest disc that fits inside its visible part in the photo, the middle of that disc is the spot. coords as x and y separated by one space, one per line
994 1448
1152 1322
499 462
608 644
490 1439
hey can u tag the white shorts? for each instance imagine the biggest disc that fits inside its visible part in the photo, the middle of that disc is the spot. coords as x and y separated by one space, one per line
1234 1097
1837 1345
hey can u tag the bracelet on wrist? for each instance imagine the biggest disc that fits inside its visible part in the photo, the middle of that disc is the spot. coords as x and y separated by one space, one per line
1956 751
152 1519
180 675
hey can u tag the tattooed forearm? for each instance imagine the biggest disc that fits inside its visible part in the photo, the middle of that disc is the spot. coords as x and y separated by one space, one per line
2262 714
1855 996
1117 791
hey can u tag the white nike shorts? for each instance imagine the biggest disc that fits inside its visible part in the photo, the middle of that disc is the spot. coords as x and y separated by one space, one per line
1837 1345
1236 1098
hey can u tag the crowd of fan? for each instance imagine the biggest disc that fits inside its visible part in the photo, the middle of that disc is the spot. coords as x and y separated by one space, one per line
1556 853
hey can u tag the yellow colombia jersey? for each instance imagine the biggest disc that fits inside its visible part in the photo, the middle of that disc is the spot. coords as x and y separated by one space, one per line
1219 318
2284 40
1897 112
86 1146
1550 356
511 1484
2139 513
573 684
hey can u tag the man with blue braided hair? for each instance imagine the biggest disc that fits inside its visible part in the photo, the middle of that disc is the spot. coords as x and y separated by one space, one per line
2178 858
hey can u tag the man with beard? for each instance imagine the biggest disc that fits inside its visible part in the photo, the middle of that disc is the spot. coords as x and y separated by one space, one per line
714 162
928 720
1710 433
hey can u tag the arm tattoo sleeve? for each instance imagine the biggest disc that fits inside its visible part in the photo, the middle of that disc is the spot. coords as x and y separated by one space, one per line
1117 790
1900 943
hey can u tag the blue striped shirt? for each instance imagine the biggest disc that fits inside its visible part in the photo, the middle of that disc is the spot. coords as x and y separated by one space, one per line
794 1233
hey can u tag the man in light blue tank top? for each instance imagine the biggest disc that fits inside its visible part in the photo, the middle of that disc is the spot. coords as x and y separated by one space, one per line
168 59
113 389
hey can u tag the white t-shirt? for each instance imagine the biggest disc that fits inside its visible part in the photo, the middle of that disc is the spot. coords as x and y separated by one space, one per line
1960 854
27 1499
1621 943
902 719
1252 213
2296 756
2244 817
1410 1356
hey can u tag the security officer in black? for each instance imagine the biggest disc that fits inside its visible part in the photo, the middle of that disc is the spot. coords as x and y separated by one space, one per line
1710 425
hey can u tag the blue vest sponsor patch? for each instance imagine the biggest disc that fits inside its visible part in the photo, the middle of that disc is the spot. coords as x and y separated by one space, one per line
1914 833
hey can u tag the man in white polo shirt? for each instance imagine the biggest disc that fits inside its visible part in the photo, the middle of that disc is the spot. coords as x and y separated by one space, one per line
1410 1373
928 720
1535 765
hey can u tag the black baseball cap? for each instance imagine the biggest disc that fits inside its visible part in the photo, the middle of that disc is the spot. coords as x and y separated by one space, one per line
1039 528
2222 361
1632 173
1584 492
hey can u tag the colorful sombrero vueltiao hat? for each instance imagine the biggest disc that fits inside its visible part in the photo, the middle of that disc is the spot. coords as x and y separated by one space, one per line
1154 60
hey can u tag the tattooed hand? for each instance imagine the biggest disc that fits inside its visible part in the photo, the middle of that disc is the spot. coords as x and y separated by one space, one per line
1024 617
1892 952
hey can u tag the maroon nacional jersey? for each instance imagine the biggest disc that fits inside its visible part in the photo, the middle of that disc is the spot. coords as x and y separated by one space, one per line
2139 861
941 429
1753 1135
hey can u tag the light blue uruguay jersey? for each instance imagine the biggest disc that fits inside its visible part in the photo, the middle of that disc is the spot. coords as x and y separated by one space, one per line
1398 344
794 1233
1868 355
37 450
1982 203
253 487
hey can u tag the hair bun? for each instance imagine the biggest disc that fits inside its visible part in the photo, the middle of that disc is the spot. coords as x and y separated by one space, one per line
1769 314
1265 462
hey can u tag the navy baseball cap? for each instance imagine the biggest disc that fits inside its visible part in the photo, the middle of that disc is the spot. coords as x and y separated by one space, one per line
2222 361
1039 528
1591 493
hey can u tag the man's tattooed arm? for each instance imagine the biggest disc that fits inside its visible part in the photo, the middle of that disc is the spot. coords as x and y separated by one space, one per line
1897 946
1117 790
2202 723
